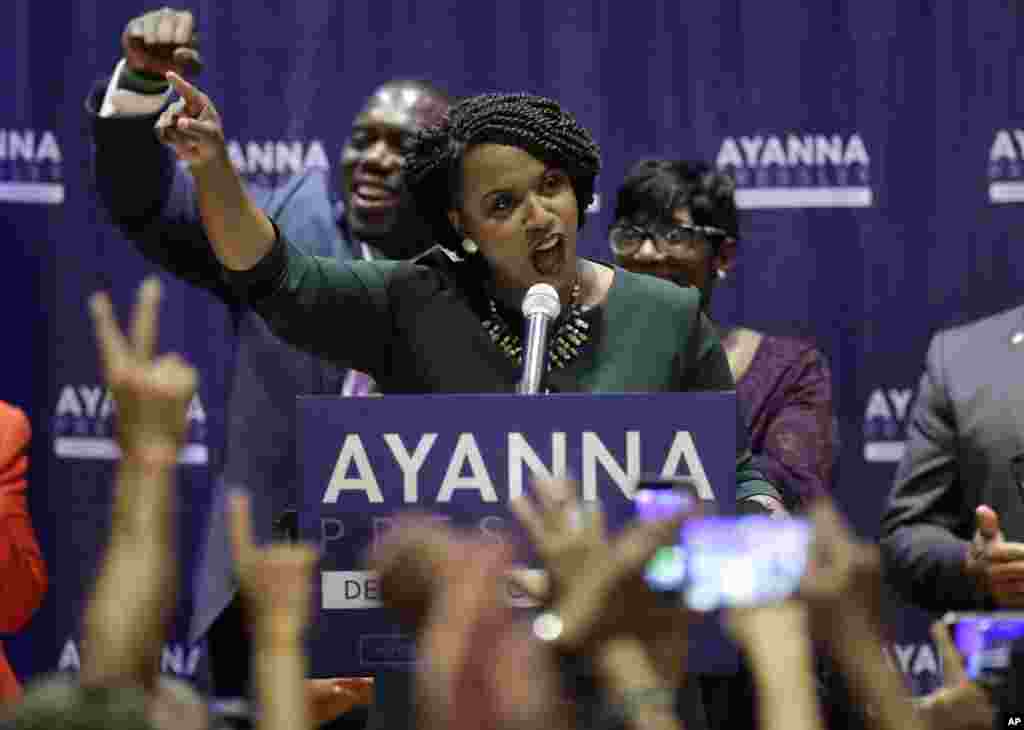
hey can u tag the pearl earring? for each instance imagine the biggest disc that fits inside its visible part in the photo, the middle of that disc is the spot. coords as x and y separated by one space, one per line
469 246
721 273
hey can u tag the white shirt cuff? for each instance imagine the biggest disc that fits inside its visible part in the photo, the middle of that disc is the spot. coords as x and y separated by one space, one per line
123 103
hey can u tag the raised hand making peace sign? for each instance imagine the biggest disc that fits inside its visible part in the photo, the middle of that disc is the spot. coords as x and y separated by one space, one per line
152 393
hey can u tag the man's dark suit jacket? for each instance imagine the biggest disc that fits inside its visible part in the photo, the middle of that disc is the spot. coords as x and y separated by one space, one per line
966 429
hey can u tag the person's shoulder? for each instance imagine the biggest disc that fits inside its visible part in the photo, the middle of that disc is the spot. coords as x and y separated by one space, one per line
1000 323
13 419
960 348
658 294
15 431
426 273
796 348
304 210
308 188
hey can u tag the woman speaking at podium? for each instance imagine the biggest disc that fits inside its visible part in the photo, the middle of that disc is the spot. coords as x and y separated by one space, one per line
504 181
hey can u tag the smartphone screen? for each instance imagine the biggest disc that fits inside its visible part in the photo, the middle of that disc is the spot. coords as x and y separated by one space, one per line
985 640
743 561
658 498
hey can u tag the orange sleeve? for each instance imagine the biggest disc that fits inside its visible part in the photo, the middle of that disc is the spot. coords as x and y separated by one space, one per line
22 568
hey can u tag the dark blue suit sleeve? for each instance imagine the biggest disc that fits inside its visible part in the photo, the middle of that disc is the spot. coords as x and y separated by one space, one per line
150 198
927 522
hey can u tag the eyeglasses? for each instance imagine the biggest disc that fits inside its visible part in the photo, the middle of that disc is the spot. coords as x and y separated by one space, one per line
627 238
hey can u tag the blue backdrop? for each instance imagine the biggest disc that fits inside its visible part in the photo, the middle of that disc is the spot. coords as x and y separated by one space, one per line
877 145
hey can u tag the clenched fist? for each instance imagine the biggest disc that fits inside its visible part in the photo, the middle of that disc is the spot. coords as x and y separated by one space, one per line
161 41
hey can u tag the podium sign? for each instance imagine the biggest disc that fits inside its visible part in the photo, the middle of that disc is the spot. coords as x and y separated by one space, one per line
462 457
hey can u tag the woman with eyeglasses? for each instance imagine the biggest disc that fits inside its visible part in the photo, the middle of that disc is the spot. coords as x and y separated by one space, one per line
678 221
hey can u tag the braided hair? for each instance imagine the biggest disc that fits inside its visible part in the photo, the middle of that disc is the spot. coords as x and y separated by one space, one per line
656 188
433 166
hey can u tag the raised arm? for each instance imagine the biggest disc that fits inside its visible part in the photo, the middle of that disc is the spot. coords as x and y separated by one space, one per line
301 297
277 585
241 234
146 195
124 629
843 591
772 637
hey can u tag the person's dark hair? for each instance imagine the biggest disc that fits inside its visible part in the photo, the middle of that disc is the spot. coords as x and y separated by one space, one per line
653 189
433 167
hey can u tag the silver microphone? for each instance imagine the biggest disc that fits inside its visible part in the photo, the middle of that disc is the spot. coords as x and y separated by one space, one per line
541 308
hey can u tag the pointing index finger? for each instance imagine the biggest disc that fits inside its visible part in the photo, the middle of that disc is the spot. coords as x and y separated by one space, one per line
194 102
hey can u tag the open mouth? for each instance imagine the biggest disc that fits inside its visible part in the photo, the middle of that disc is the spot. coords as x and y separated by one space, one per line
373 197
548 258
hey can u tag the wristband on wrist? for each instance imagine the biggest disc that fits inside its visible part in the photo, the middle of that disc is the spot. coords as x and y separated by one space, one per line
141 82
663 698
622 714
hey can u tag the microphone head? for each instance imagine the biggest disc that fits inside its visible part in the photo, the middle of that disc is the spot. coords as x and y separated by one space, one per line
541 299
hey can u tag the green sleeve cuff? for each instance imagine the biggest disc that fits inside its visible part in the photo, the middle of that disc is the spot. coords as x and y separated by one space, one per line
751 482
141 82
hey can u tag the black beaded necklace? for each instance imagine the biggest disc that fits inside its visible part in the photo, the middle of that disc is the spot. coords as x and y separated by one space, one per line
565 345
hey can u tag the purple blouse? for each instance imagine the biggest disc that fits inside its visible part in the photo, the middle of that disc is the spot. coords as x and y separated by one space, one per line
786 393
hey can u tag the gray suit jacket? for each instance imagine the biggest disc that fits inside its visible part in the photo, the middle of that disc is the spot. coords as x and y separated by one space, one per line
966 428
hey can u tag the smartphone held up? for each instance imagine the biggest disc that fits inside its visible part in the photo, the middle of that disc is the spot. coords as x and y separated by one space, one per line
985 640
721 562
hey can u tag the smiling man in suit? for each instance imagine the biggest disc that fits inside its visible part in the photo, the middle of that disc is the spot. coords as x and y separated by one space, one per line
953 530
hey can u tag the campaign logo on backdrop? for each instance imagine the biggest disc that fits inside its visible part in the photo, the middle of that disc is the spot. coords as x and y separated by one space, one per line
798 170
919 663
885 423
1006 167
272 162
177 659
30 167
83 427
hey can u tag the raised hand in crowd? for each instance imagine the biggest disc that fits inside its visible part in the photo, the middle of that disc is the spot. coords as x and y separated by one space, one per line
479 668
995 563
959 704
191 126
240 233
843 591
599 605
773 636
277 585
160 41
125 629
